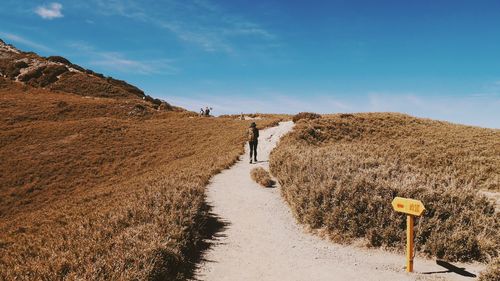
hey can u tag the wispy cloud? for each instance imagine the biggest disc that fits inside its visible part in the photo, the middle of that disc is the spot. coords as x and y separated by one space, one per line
208 40
125 8
198 22
26 42
118 62
221 35
51 11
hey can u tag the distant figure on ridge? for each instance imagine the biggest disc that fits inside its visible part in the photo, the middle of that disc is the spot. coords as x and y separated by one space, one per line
207 111
253 140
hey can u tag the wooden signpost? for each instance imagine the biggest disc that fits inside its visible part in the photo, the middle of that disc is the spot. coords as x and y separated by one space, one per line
411 208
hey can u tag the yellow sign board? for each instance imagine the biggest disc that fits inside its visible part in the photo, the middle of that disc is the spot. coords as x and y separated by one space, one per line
411 208
408 206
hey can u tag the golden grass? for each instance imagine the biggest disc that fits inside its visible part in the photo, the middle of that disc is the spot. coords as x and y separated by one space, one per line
492 273
88 191
262 177
89 85
305 115
340 173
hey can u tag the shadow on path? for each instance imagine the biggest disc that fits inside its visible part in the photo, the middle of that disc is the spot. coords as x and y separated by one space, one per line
212 231
257 162
451 269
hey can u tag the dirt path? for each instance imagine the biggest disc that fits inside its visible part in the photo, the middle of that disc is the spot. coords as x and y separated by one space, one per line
262 241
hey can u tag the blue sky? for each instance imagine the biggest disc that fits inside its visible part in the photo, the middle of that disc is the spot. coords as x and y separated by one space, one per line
436 59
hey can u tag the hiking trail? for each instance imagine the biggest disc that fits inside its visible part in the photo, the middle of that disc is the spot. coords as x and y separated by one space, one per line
262 240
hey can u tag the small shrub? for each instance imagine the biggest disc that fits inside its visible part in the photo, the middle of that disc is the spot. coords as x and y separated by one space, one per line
32 75
138 110
262 177
305 115
50 74
61 104
21 64
43 76
126 86
100 75
492 273
59 59
4 83
77 67
165 106
346 115
14 69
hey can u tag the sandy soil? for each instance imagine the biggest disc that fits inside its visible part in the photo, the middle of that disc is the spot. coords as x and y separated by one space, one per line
262 241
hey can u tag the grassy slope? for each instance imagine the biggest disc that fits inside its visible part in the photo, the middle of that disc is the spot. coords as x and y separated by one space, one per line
89 192
340 173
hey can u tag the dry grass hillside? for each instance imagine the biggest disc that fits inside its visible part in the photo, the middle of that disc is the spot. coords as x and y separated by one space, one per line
59 74
104 189
339 174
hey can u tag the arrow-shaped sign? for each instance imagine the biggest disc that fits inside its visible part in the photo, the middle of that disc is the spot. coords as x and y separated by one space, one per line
408 206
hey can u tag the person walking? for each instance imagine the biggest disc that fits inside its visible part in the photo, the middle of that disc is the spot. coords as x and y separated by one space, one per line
253 140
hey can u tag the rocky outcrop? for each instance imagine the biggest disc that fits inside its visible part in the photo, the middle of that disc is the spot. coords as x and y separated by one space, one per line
58 73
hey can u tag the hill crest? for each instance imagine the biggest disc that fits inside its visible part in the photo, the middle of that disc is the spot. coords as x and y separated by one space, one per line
57 73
